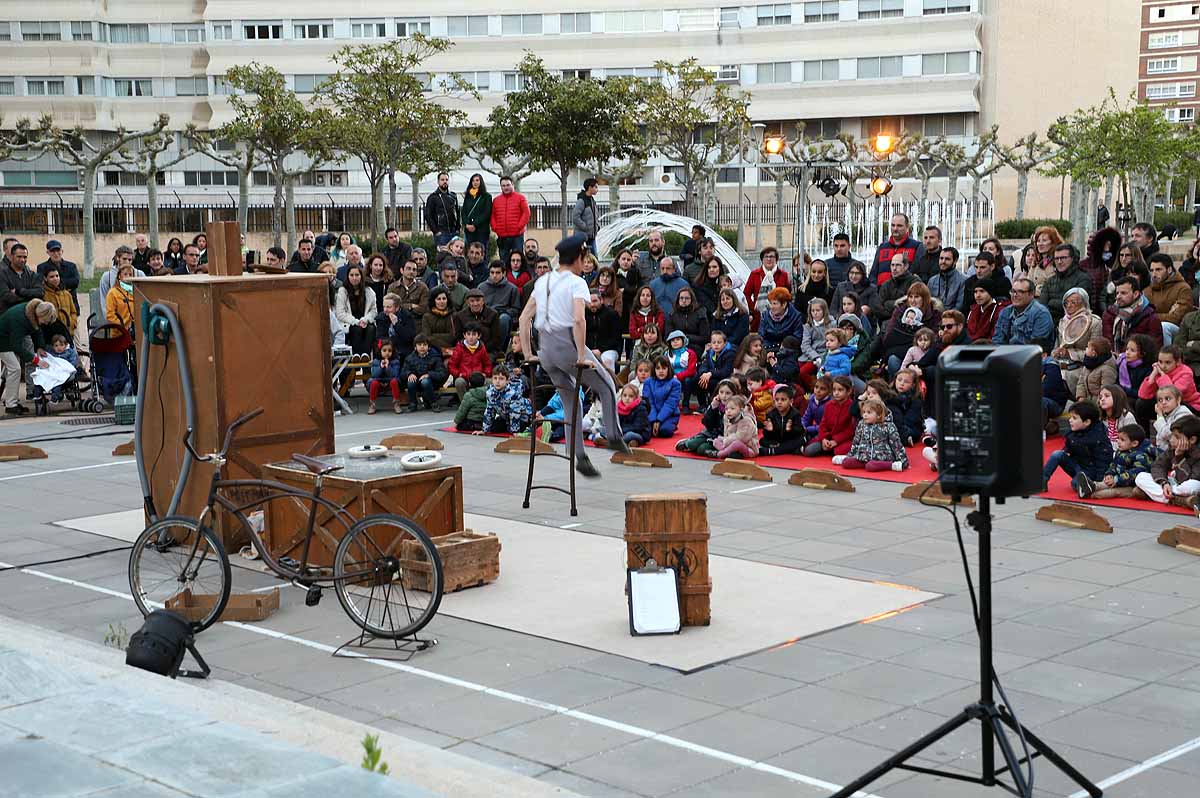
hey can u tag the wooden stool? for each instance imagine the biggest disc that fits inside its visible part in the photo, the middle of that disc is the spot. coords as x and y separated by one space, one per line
569 426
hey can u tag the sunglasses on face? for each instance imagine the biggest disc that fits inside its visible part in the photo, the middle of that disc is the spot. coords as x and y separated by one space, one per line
948 327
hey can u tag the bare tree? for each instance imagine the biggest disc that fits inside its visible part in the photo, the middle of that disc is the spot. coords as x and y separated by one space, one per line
496 150
145 158
1026 154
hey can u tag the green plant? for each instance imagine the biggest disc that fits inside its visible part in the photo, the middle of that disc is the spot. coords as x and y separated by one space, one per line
372 754
116 637
1023 228
1181 219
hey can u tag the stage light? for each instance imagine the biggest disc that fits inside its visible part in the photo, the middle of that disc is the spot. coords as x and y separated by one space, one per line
160 644
881 186
773 145
829 186
884 143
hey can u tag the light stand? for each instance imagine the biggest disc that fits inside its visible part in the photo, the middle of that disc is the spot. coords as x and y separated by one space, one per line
992 718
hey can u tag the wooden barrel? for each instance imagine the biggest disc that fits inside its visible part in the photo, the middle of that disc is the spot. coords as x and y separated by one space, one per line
672 529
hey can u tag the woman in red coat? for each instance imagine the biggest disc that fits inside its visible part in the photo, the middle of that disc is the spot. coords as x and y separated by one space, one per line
645 311
768 273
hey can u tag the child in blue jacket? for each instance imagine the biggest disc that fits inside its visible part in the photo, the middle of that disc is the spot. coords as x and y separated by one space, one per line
662 391
838 354
385 371
715 365
1085 447
507 409
1135 454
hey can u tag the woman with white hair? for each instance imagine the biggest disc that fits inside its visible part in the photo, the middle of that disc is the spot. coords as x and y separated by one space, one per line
1077 326
22 343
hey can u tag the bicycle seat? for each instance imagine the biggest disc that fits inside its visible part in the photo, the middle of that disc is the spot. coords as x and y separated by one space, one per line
318 467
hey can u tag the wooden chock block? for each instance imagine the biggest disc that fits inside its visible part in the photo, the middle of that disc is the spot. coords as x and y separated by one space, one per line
935 495
521 446
410 442
20 451
1074 515
741 469
124 450
644 458
820 479
1184 538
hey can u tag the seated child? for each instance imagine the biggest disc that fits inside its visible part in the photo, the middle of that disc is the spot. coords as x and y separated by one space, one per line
649 346
714 423
740 436
641 373
662 392
1171 370
822 387
470 355
784 364
60 347
715 365
1135 455
634 414
760 387
838 354
836 430
554 418
1174 478
1085 447
385 371
922 342
469 417
1055 393
683 364
910 407
877 445
508 410
783 431
1170 409
423 372
1099 369
1114 412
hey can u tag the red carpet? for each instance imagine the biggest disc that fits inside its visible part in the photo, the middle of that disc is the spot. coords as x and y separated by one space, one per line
1060 483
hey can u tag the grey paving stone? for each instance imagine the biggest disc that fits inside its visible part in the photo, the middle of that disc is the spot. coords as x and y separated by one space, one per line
746 781
500 759
476 716
1158 702
646 709
728 685
1135 662
347 780
626 669
838 760
1139 739
930 620
803 662
645 768
1069 682
556 740
899 730
1155 783
1164 636
143 790
1031 641
888 563
1071 617
570 687
823 709
894 683
582 786
752 736
24 679
1170 583
868 640
37 768
1135 602
959 659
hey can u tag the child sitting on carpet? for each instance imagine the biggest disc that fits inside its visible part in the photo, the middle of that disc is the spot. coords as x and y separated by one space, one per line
507 409
836 430
662 391
1099 369
1114 412
713 423
910 420
641 372
1175 476
634 414
760 387
649 346
1171 409
683 365
715 365
816 405
1085 447
739 439
470 355
877 445
385 371
783 431
469 417
1135 455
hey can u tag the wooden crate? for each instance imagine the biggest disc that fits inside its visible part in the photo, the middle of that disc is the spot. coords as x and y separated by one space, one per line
672 529
240 607
251 341
432 498
469 559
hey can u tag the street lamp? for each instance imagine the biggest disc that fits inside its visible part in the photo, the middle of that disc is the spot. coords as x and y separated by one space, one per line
757 130
773 146
883 144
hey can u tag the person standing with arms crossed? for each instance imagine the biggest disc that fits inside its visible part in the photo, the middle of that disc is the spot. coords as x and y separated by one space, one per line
557 307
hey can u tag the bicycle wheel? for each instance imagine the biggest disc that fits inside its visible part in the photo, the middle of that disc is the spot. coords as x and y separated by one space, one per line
173 557
388 576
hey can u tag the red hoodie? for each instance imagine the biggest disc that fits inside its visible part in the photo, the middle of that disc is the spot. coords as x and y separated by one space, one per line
510 214
838 424
464 362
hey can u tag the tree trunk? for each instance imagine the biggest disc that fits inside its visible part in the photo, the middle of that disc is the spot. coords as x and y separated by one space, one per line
801 229
1022 191
152 207
1108 192
952 188
710 200
1169 198
1190 199
562 198
614 195
923 208
380 221
415 180
89 223
393 216
289 205
277 206
243 212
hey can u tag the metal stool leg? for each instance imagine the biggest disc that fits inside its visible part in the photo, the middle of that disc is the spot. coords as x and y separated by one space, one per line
532 436
576 407
570 423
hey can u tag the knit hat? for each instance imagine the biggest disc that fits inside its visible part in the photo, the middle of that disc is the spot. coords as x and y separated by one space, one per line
993 286
676 334
850 318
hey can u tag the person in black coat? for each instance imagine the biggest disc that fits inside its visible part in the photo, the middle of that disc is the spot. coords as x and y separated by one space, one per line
690 318
816 286
603 331
396 325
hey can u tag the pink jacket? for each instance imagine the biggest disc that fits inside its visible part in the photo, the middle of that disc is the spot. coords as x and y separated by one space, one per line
1181 378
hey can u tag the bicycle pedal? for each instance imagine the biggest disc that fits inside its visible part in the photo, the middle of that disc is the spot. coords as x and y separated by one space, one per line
313 597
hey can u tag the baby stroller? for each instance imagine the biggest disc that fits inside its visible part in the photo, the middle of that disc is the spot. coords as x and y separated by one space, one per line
74 390
114 370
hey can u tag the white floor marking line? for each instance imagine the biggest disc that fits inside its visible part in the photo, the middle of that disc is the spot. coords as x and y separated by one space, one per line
586 717
1152 762
571 526
442 422
755 487
67 470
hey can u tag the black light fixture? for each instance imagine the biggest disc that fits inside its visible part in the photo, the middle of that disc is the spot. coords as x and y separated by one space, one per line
160 644
829 186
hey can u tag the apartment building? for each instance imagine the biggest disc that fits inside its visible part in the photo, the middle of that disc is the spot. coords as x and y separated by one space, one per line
1167 63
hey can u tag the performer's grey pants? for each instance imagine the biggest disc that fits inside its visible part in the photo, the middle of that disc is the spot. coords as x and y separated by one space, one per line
557 353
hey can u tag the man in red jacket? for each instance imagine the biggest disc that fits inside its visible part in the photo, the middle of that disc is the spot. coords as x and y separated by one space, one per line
901 240
510 217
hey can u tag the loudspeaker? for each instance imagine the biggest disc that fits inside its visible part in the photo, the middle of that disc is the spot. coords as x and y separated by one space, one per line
990 420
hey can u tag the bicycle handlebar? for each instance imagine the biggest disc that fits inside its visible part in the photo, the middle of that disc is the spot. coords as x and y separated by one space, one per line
239 421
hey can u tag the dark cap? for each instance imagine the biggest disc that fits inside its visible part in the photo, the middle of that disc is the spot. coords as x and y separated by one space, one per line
53 244
570 247
474 292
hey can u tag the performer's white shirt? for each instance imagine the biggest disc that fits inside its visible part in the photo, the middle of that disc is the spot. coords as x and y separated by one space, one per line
557 311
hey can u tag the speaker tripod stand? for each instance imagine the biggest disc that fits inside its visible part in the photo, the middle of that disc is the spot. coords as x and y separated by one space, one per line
993 719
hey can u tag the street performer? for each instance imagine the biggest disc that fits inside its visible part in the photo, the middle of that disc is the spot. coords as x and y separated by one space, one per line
556 308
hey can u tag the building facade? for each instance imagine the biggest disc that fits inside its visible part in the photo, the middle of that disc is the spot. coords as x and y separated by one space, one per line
1167 63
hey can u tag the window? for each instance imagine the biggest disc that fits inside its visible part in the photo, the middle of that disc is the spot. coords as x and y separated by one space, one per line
81 31
222 85
45 87
85 85
191 87
5 31
729 73
128 34
731 17
1174 13
822 129
873 126
575 23
222 31
577 74
695 19
776 72
55 178
408 27
480 81
521 25
188 34
1170 91
946 63
312 30
209 178
1157 66
262 30
935 125
880 9
633 21
647 73
468 26
307 84
946 7
890 66
775 15
821 70
132 87
514 81
1175 38
1180 114
368 29
41 31
8 87
821 11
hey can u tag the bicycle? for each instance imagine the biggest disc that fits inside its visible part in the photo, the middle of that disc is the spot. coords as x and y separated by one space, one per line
179 557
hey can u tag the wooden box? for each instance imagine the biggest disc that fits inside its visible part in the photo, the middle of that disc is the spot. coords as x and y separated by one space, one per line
672 529
432 498
240 607
254 341
469 559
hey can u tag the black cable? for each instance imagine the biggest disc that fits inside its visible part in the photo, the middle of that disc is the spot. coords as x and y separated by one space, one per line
52 438
162 410
962 551
64 559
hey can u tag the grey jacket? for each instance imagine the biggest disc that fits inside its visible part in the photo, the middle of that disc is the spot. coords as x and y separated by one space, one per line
501 297
812 342
947 287
584 215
